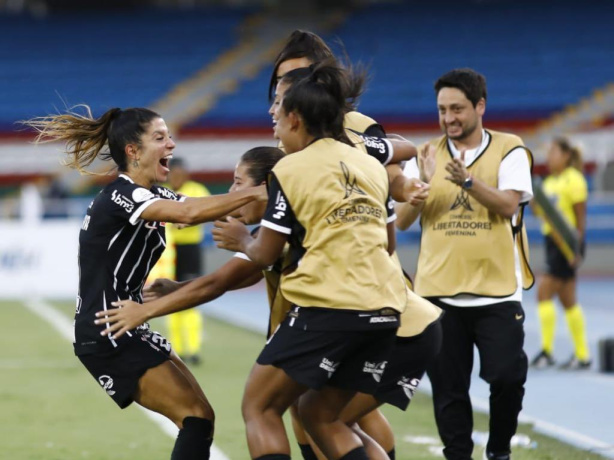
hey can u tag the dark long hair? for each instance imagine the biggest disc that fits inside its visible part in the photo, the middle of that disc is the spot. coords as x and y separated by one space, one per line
305 44
86 136
260 161
319 95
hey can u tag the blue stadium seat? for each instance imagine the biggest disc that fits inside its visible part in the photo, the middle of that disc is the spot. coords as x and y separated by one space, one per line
105 59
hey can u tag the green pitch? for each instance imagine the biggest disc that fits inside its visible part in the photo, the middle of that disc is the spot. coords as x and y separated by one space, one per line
52 409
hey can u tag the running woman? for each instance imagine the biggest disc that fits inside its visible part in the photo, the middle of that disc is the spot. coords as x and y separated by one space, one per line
122 236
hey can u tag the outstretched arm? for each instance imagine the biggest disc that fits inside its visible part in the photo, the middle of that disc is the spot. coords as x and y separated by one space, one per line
198 210
129 314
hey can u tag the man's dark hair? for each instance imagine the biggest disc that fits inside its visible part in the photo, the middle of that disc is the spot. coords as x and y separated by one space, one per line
470 82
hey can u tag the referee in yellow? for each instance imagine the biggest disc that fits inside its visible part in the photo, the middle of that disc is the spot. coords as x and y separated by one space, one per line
186 327
472 263
566 186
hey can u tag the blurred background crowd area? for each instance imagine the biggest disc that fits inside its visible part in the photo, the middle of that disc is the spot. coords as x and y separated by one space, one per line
205 66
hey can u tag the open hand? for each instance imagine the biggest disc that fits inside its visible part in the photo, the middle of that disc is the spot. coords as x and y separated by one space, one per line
122 319
457 170
427 162
230 235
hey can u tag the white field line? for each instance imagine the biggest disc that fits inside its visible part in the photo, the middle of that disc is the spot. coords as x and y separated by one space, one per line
549 429
64 326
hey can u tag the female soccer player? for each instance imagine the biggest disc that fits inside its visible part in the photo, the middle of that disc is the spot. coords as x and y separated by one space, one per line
121 238
331 206
567 186
303 49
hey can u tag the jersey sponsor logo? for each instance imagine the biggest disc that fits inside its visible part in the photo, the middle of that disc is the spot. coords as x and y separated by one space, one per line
122 201
106 382
86 223
383 319
374 143
375 369
351 184
329 366
409 386
166 193
142 194
280 206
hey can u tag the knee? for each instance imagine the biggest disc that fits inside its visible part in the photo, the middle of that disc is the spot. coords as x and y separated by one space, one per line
511 377
255 408
199 409
248 409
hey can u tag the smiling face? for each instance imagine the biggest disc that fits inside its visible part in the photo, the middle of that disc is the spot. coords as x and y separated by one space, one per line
253 212
153 154
458 118
275 108
287 127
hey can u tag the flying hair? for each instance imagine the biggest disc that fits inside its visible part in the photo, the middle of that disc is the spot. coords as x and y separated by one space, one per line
88 138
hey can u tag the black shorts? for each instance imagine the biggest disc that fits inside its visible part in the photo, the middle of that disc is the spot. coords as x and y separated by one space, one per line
408 363
189 262
340 348
118 371
556 263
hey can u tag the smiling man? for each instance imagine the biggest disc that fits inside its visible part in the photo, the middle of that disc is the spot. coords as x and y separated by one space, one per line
473 262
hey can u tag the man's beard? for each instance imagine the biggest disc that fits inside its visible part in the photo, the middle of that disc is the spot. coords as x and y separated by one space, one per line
465 132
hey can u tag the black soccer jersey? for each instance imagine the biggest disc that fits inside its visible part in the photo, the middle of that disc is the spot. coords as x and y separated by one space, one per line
117 249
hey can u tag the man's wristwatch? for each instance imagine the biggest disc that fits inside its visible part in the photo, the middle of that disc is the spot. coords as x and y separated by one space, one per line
468 183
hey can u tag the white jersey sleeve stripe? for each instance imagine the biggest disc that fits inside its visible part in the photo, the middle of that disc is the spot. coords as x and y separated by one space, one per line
276 227
137 213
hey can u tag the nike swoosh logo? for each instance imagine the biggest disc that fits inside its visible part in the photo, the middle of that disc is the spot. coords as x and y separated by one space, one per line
519 317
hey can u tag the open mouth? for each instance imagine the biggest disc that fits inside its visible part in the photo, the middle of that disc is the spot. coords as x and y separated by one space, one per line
165 162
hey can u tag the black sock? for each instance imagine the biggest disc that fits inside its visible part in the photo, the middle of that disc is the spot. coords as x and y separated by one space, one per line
357 454
307 451
392 455
194 440
274 457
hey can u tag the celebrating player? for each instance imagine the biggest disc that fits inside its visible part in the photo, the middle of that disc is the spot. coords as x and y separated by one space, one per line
121 238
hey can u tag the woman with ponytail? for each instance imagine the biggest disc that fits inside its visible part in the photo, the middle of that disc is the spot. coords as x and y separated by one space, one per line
121 238
565 185
331 206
